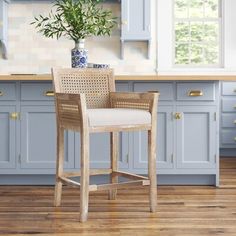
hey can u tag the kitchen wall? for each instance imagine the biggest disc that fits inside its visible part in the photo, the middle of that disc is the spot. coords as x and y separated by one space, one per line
30 52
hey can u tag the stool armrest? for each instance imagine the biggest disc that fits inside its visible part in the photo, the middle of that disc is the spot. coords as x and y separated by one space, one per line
145 101
71 110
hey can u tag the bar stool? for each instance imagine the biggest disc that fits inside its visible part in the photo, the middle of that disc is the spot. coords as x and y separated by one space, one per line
86 102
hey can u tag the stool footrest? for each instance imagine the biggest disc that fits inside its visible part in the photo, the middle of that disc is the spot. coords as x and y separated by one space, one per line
138 180
119 185
91 172
69 181
129 175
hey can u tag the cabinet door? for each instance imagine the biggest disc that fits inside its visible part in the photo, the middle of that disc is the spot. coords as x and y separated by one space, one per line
165 146
38 138
100 150
7 137
135 19
196 137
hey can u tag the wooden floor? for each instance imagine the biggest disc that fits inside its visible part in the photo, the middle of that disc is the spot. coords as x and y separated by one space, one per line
182 211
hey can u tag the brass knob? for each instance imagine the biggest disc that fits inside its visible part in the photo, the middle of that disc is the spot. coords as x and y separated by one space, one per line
195 93
177 115
14 115
49 93
1 93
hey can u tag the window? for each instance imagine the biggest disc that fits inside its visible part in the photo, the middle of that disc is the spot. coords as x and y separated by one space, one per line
197 29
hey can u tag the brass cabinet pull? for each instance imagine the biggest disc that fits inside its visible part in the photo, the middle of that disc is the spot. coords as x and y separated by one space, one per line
14 115
235 122
177 115
49 93
1 93
195 93
153 91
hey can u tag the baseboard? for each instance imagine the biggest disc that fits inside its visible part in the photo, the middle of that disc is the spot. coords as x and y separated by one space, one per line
161 179
228 152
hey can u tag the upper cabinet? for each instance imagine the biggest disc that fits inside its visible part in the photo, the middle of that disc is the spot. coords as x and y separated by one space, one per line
136 22
3 27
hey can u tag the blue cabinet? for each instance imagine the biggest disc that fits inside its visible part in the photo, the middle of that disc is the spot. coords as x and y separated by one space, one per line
38 138
196 137
135 19
8 151
187 133
228 118
136 22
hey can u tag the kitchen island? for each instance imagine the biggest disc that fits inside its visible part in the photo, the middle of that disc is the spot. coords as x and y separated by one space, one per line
188 131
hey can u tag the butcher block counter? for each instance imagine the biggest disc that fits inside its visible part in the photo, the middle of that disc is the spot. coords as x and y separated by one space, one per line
43 77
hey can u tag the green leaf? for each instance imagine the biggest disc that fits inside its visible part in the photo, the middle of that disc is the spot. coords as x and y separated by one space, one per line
76 20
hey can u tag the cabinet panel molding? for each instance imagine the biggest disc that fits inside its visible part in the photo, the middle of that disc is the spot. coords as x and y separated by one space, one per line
8 153
165 146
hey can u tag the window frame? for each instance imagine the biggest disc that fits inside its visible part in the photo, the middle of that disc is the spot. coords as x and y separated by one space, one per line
220 20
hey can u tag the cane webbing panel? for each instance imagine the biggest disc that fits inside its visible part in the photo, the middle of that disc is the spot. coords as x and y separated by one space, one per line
125 103
94 83
68 111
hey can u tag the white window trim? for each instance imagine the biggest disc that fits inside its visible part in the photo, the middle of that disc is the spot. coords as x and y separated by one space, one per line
220 19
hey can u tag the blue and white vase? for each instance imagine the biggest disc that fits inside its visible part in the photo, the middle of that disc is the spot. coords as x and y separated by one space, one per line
79 55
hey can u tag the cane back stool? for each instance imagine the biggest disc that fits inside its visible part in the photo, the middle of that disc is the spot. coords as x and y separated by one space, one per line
86 102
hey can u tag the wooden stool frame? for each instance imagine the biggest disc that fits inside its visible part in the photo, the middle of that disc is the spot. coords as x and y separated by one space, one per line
77 90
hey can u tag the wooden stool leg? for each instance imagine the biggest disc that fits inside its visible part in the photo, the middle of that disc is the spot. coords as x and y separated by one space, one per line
152 168
59 168
114 138
84 179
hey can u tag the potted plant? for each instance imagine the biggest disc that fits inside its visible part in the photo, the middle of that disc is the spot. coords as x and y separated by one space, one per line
76 20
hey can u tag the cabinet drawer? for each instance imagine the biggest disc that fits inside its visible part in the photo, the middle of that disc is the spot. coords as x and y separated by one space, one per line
122 87
36 91
195 91
229 88
7 91
229 105
228 120
228 137
166 90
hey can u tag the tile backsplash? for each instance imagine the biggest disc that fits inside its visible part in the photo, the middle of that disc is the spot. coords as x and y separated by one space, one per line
30 52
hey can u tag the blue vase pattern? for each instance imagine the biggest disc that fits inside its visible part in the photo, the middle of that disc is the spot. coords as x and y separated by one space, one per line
79 58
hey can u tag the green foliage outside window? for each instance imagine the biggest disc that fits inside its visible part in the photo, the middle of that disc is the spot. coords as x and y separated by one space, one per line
197 32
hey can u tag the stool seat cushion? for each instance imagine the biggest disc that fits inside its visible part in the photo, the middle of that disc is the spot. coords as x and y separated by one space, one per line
118 116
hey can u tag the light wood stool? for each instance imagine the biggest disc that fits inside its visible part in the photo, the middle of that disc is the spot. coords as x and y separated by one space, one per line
86 102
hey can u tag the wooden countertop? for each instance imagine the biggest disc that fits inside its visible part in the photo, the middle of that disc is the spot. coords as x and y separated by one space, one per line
45 77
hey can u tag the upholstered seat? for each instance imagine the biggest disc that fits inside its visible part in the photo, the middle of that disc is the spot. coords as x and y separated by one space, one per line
118 116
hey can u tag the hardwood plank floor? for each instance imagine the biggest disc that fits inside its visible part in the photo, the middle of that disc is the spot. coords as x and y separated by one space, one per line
182 210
